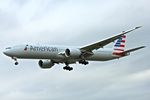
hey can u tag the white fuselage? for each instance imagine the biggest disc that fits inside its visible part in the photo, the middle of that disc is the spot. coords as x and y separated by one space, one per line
54 53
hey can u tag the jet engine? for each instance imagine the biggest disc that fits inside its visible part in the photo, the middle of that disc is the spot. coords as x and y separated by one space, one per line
74 53
46 64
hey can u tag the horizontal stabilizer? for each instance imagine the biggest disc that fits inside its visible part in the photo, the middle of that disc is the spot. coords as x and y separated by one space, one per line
134 49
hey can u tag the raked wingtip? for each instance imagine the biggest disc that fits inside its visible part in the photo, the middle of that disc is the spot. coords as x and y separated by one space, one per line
138 27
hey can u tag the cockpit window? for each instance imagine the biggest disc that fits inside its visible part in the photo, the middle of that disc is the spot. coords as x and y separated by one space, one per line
8 48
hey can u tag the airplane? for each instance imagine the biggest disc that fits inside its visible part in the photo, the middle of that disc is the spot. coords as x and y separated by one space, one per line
50 55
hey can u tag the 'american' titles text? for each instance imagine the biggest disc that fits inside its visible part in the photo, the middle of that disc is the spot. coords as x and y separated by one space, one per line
49 49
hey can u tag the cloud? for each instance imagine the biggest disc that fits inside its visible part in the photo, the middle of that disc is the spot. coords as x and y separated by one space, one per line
74 22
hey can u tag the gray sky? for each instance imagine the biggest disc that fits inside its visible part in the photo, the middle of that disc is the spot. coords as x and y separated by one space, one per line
75 22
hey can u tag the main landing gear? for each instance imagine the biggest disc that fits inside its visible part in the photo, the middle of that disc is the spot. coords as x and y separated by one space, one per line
67 67
15 59
83 62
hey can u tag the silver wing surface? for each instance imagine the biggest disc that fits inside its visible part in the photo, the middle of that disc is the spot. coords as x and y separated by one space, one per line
102 43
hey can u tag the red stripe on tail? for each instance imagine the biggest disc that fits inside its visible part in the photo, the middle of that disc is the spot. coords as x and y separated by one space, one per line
118 54
123 41
122 45
124 36
119 49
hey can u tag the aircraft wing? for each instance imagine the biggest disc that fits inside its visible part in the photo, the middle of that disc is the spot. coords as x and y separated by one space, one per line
134 49
104 42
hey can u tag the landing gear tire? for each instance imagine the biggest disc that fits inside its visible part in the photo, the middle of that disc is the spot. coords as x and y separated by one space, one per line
84 62
68 68
16 63
15 59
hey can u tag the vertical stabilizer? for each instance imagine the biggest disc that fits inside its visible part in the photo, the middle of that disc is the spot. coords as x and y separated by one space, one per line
119 46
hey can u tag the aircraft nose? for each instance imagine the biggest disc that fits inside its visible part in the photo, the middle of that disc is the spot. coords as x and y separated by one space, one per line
6 53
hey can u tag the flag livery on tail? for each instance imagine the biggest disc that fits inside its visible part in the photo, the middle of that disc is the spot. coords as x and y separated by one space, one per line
119 46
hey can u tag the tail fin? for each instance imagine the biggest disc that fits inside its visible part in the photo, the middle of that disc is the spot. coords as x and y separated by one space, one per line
119 46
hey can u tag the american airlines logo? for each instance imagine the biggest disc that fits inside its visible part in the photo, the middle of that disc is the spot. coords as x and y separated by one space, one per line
49 49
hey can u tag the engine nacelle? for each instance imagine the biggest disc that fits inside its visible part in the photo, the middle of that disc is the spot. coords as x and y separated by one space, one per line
74 53
46 64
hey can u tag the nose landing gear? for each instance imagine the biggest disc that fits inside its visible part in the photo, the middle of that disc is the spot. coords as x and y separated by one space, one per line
15 59
16 63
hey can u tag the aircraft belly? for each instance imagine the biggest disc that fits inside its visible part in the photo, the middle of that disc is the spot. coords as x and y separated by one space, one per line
101 56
